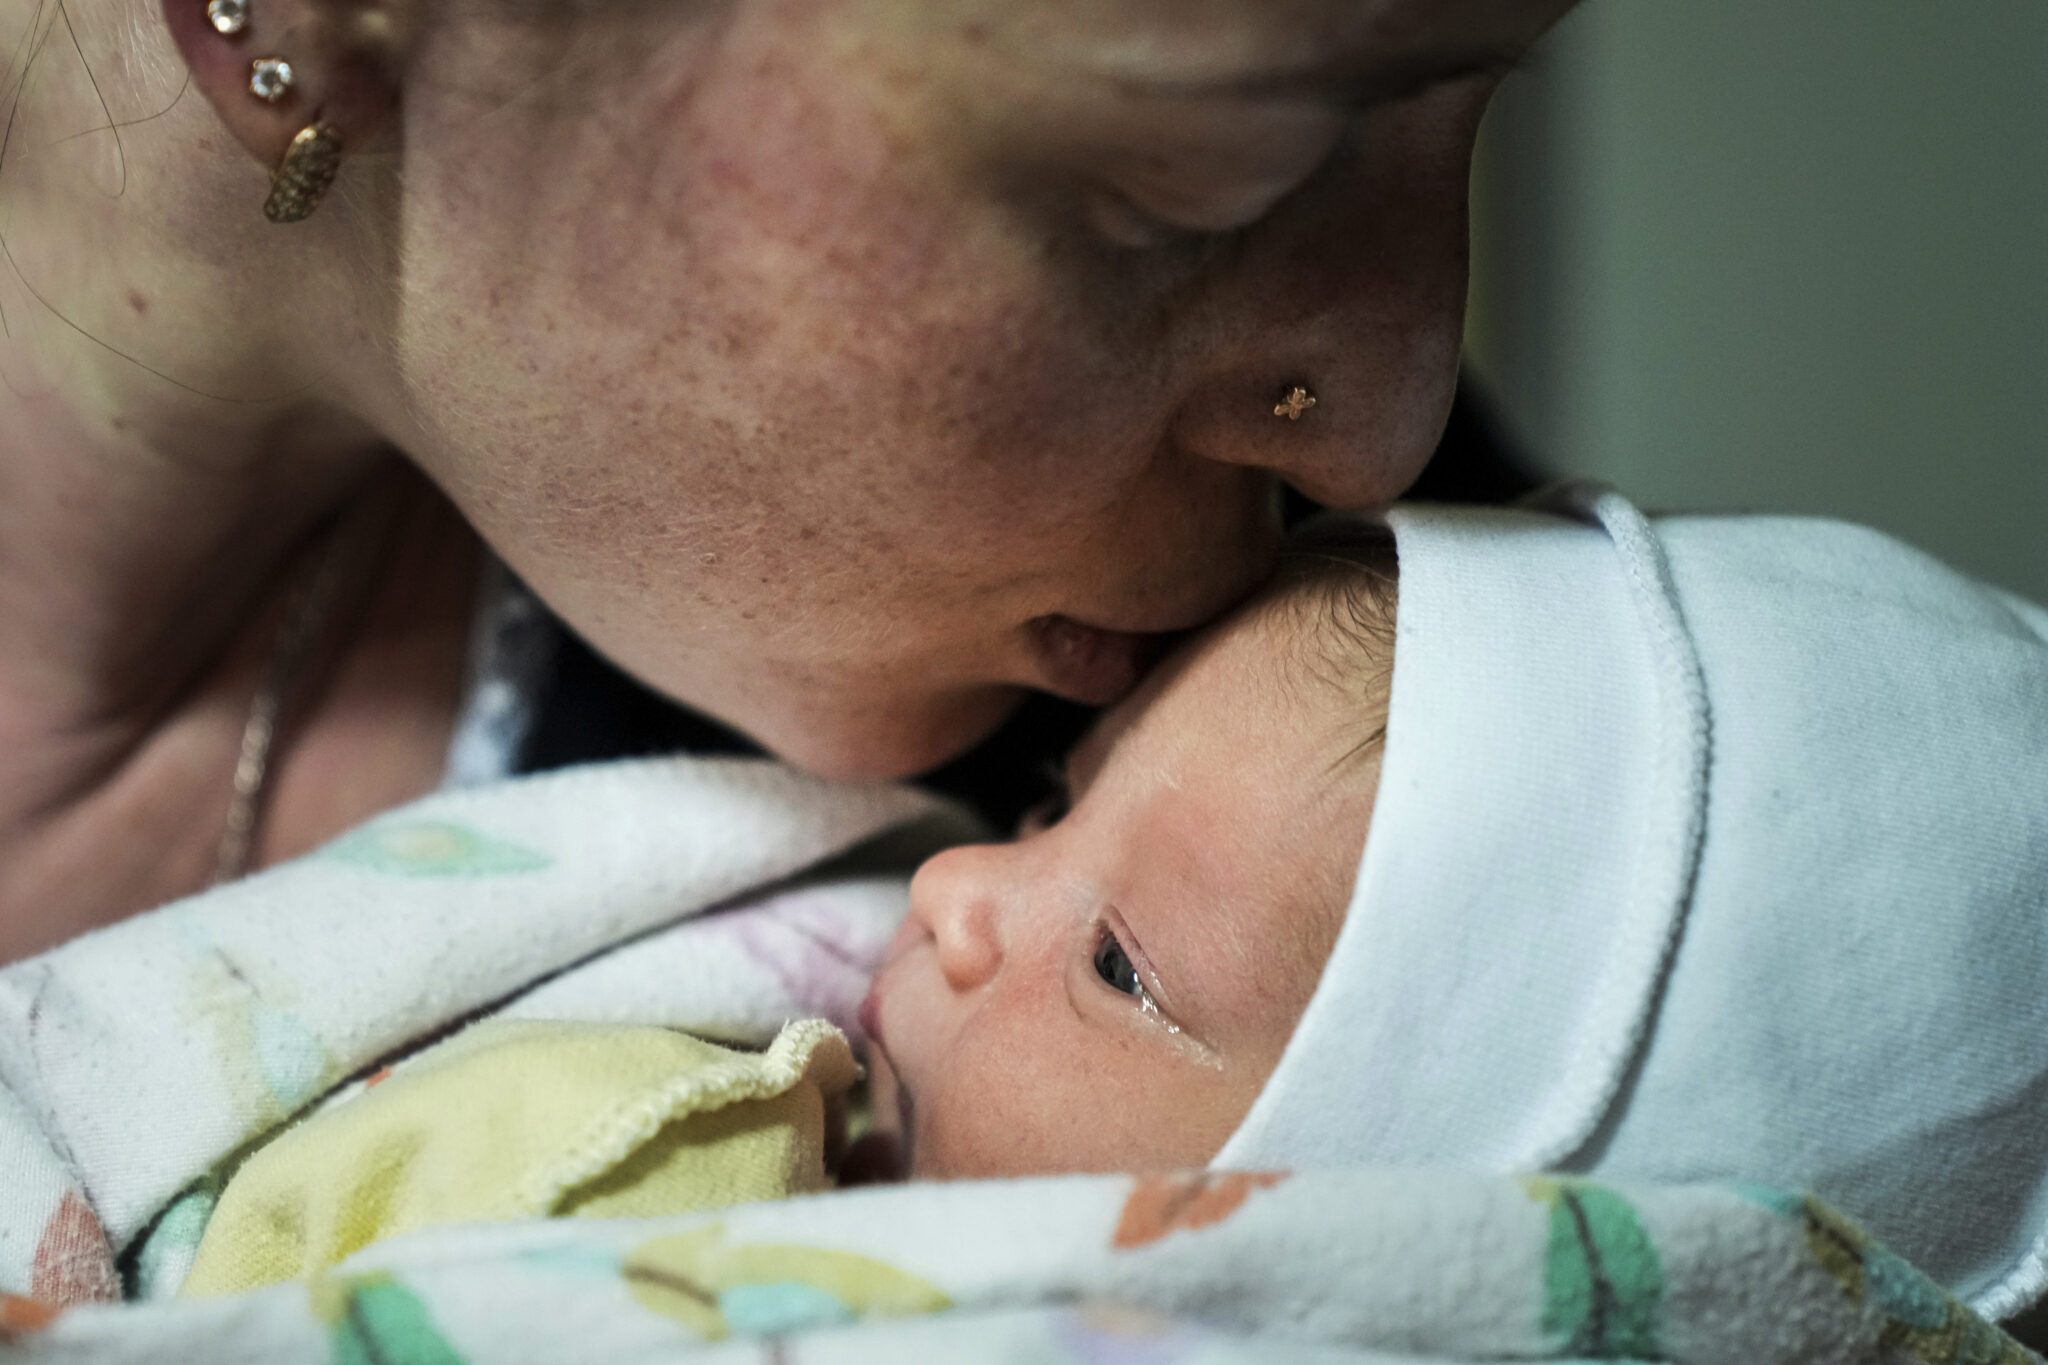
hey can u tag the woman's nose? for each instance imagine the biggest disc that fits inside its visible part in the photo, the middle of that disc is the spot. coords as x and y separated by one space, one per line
954 895
1356 441
1328 351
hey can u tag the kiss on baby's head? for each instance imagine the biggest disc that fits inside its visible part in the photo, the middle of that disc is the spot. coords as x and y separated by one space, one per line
1659 885
1702 849
1111 988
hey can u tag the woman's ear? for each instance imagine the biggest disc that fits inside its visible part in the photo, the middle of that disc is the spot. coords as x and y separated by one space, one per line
274 68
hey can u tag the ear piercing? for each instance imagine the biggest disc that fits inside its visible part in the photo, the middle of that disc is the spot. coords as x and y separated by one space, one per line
306 171
304 175
270 78
1297 400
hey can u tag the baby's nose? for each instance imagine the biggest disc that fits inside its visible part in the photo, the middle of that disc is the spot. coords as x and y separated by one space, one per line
952 896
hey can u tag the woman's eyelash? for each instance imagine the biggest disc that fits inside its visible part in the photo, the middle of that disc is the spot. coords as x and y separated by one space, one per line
1117 219
1122 223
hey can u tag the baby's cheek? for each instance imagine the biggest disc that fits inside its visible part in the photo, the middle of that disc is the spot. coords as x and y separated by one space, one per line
963 1135
1032 1115
987 1118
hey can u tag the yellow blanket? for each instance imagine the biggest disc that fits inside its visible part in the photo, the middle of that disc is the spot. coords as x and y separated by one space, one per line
529 1119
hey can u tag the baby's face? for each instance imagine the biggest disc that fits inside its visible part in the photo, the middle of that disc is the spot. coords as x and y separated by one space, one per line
1110 990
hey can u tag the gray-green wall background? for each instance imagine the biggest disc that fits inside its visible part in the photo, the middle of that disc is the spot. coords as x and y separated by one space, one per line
1782 255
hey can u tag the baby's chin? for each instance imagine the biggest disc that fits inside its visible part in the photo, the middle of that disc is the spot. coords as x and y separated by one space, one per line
876 1158
882 1154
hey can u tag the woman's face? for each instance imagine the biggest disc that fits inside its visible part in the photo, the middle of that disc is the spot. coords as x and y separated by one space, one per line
843 367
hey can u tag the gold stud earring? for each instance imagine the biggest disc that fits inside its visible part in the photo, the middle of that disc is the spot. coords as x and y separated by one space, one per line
270 78
1297 400
228 17
304 175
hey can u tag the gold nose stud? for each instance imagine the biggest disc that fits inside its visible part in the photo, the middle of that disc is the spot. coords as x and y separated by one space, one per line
1297 400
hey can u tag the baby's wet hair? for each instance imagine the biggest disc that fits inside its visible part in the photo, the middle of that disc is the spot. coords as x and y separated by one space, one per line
1331 606
1340 576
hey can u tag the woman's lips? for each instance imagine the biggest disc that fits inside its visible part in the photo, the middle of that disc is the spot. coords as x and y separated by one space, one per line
1088 664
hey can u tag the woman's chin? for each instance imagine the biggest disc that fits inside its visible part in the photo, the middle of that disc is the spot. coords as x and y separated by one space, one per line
884 744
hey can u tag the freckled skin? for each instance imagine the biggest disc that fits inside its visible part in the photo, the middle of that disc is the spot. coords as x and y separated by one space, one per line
822 361
797 369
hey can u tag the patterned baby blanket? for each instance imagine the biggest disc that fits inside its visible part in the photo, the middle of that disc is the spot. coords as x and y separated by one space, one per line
1107 1270
713 895
137 1060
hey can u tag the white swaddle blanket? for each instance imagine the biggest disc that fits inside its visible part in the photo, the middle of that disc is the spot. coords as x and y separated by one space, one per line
134 1059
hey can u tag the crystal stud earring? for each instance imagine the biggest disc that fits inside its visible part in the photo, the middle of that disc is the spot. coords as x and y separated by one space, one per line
228 17
270 78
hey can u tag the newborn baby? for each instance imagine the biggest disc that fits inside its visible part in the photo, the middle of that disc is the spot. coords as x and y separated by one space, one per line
1111 989
1707 850
1014 1016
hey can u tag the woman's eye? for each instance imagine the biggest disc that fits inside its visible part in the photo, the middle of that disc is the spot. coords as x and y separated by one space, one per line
1114 967
1118 220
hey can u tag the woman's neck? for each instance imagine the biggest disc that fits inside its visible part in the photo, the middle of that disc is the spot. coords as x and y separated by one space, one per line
190 394
117 764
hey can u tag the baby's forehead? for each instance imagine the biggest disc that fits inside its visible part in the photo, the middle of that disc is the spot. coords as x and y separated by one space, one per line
1284 702
1310 652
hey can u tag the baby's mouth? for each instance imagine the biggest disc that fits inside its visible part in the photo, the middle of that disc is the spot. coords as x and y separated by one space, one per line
870 1016
880 1155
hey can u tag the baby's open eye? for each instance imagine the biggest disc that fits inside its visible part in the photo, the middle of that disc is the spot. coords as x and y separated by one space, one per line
1113 965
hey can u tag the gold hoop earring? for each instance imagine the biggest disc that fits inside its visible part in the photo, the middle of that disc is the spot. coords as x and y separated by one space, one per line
1298 399
304 175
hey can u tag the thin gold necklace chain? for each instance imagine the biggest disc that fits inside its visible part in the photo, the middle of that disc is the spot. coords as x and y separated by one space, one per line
297 642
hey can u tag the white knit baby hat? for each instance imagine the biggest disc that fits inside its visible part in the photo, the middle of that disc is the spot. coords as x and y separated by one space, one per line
1709 849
